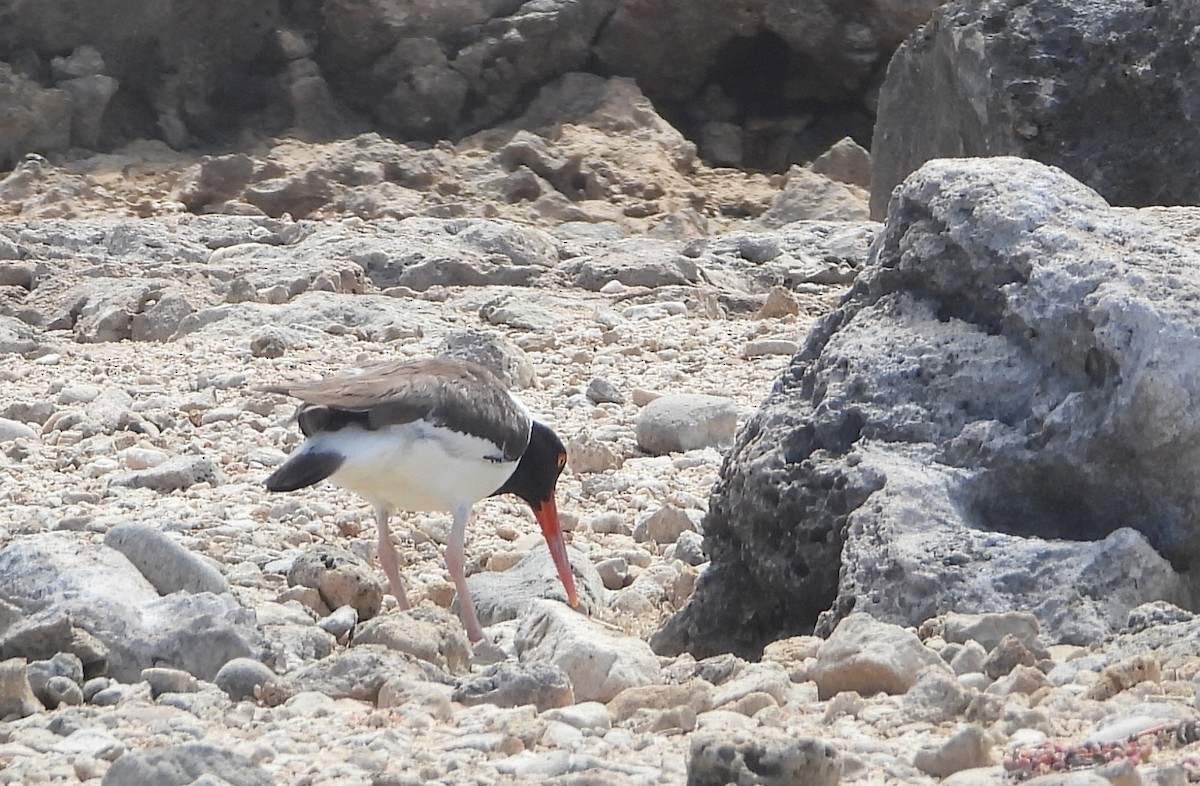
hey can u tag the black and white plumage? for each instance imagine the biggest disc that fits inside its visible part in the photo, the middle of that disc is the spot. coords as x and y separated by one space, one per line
430 435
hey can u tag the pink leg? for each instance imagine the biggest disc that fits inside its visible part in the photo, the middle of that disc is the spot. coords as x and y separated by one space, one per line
388 558
456 563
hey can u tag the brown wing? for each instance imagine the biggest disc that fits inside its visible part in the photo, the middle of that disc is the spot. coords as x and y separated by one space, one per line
454 394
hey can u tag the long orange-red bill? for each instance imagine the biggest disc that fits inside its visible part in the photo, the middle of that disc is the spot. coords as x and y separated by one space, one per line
547 517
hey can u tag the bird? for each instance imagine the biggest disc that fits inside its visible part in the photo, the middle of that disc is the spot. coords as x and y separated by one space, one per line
431 434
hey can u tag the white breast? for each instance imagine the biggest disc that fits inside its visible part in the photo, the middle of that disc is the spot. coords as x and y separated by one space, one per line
414 466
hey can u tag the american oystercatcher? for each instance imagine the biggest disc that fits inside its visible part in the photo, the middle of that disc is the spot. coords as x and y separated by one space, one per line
429 435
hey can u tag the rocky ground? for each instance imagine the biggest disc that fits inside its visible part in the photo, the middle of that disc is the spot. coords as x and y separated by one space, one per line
132 426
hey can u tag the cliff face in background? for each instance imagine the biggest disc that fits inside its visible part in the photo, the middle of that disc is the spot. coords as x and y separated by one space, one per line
761 83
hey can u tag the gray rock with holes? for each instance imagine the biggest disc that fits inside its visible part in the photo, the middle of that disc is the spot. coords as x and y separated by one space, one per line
510 684
997 417
763 759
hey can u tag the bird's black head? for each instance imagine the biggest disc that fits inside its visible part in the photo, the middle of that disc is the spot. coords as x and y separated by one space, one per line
537 472
534 480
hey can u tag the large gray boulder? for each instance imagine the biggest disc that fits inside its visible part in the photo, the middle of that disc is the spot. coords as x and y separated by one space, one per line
93 602
999 416
1104 89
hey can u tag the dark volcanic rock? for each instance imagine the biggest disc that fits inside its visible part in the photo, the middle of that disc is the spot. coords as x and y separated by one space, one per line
997 417
1103 89
171 68
742 78
434 68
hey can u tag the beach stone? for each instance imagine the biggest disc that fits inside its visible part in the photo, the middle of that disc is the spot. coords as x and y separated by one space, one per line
166 563
511 684
936 697
182 764
868 656
609 523
240 677
766 677
1022 679
718 759
769 346
341 578
15 429
689 548
427 632
846 161
989 629
614 572
64 665
169 681
500 596
966 749
599 664
407 693
494 352
961 61
585 453
696 694
174 474
1005 656
61 690
687 421
339 622
808 196
16 696
666 524
359 672
969 659
602 391
93 743
584 715
780 302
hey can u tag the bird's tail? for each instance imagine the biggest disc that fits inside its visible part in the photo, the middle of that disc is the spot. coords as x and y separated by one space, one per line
304 468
